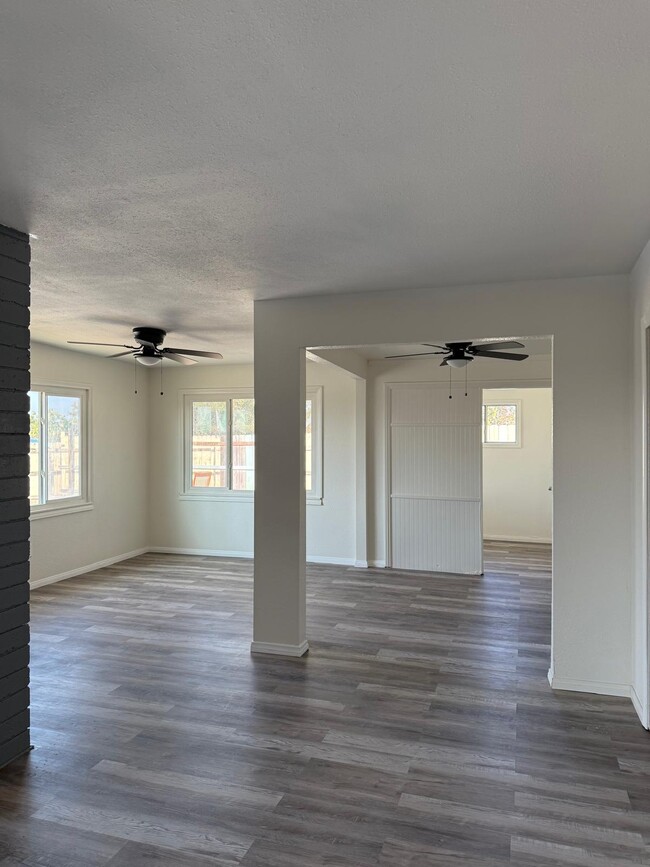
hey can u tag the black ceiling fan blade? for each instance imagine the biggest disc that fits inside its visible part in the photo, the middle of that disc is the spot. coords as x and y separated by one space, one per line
437 345
418 354
146 343
120 354
504 344
198 352
90 343
507 356
443 363
178 358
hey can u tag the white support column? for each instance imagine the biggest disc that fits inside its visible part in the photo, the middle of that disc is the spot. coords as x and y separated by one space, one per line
279 593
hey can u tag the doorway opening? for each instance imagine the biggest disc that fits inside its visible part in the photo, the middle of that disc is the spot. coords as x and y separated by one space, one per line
517 498
517 442
459 506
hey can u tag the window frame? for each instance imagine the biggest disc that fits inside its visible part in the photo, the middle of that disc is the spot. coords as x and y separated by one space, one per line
315 394
188 492
83 502
512 401
189 397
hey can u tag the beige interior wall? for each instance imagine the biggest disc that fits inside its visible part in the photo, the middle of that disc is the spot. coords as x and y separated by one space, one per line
226 527
640 322
118 523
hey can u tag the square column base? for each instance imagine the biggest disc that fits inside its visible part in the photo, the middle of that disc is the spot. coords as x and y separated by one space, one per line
279 649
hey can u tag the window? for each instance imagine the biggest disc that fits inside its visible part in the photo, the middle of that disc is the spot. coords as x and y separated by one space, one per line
58 452
314 445
502 423
219 444
223 443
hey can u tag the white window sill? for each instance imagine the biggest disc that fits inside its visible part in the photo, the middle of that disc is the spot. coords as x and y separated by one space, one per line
55 511
235 498
224 497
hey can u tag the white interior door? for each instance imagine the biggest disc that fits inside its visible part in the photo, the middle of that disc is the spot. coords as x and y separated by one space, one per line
435 479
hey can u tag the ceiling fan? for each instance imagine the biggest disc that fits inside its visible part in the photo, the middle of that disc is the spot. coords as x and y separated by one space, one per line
149 350
461 352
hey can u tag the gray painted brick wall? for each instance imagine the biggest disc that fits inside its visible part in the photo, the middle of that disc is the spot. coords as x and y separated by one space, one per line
14 494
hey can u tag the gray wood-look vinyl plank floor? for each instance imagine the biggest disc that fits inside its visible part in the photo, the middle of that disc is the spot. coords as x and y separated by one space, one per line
419 731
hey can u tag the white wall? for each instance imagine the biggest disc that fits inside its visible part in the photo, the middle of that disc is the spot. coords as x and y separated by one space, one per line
640 280
517 504
202 525
118 522
536 371
331 527
592 536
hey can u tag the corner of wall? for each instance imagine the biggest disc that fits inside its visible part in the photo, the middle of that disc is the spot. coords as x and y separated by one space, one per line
639 300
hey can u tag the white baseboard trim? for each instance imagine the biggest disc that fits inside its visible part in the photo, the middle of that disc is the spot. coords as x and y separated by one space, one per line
202 552
639 708
198 552
377 564
535 540
81 570
361 564
247 555
332 561
597 687
279 649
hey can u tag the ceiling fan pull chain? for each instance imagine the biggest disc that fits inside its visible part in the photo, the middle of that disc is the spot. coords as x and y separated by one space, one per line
161 387
135 375
450 383
466 366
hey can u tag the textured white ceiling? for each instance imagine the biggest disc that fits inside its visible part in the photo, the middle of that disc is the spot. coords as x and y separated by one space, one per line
178 159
